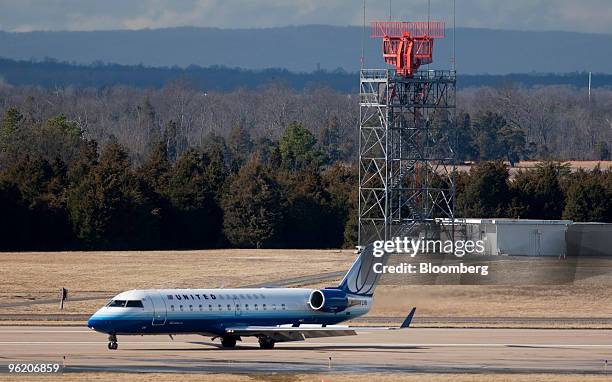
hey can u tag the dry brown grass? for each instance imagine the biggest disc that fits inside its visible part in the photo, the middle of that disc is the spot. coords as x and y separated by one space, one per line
119 377
494 301
38 275
27 276
528 165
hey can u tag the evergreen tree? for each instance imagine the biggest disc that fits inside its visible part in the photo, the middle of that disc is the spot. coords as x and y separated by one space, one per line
511 143
240 146
298 148
61 126
155 171
41 186
14 227
251 209
589 197
196 216
466 148
308 217
340 182
538 193
484 191
109 207
495 139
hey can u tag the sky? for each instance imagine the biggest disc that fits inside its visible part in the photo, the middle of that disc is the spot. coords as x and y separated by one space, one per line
592 16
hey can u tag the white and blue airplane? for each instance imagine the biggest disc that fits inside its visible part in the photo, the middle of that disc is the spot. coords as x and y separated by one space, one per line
270 314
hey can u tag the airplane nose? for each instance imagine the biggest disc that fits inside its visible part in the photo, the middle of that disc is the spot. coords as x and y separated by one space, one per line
91 323
95 323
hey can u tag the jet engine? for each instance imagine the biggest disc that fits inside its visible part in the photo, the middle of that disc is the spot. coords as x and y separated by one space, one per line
328 300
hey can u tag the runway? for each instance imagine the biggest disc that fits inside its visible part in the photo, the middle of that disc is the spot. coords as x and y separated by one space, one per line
411 350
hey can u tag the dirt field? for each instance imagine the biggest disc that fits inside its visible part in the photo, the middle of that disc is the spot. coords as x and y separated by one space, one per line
37 276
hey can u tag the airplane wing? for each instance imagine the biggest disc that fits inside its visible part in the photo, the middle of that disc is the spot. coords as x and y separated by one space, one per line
285 333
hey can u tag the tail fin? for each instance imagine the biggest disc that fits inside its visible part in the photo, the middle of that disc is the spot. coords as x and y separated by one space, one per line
361 279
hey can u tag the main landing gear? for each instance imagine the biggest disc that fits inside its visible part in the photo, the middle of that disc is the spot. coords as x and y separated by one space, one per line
266 343
112 342
228 341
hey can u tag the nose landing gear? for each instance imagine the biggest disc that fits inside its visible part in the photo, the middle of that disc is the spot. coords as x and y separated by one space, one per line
112 342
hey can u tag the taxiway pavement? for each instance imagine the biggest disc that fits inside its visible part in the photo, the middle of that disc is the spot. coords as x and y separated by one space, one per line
411 350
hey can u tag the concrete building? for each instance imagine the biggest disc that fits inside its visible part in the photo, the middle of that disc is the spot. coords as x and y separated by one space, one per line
519 237
589 239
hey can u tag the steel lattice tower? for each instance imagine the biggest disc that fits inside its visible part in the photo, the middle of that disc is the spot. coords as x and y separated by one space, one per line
407 139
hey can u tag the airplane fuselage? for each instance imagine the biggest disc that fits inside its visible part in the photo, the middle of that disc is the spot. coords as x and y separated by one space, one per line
212 311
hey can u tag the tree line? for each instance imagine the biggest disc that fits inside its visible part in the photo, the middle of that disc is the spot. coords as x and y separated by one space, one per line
62 190
59 190
51 73
510 123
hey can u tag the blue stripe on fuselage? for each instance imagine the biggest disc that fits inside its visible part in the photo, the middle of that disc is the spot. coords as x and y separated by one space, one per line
116 324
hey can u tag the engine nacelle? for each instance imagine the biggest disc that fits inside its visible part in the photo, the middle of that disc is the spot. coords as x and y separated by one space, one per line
328 300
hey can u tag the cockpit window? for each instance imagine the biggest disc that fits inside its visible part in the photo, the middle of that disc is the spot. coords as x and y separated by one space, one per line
116 304
134 304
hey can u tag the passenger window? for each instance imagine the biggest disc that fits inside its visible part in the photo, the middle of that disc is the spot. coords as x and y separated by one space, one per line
229 307
264 306
256 308
237 306
220 307
181 308
200 308
134 304
172 308
210 307
191 308
246 306
283 306
273 306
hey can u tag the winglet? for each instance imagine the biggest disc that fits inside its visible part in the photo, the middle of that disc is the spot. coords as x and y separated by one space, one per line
408 319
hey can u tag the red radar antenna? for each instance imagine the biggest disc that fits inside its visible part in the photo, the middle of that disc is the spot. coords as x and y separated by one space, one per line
407 45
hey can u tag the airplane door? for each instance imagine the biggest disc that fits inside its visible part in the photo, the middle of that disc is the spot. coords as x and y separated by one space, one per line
159 309
237 308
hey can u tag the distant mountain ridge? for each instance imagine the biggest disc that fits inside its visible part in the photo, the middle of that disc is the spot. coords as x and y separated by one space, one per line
307 48
51 74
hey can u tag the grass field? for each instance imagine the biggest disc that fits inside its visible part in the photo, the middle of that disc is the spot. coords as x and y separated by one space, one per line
35 276
30 276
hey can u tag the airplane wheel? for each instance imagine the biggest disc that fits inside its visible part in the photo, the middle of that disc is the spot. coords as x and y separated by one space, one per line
228 342
112 346
266 343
